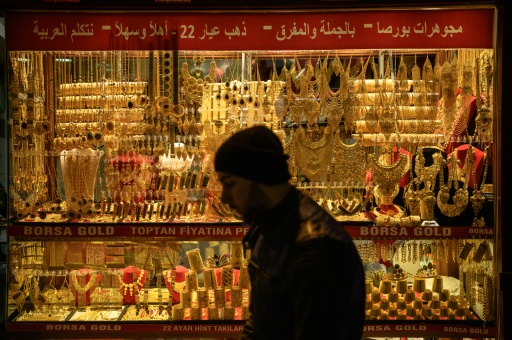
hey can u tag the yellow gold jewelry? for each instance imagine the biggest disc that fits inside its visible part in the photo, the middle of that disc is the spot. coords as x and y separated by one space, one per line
387 176
227 276
129 287
349 160
195 260
333 110
478 198
428 174
81 290
461 196
449 100
313 156
236 257
484 116
178 287
386 121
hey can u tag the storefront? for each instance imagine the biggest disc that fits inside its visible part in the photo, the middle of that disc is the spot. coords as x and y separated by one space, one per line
115 113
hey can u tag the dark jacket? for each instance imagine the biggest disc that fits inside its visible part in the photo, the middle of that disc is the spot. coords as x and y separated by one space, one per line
307 277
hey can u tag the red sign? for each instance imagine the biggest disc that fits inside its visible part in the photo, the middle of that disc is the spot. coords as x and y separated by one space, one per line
197 328
225 232
250 31
125 327
419 232
440 329
195 232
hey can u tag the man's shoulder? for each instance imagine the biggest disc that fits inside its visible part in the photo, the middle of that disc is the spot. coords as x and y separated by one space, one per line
316 222
310 230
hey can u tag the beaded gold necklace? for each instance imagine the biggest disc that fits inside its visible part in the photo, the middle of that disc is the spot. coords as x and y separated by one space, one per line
129 287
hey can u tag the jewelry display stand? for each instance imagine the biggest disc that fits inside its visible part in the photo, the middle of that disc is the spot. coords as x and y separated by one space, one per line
130 287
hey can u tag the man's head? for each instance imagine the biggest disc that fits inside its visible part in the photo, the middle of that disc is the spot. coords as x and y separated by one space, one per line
250 163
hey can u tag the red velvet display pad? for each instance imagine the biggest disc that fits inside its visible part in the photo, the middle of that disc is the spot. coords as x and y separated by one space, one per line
218 274
127 277
461 153
180 277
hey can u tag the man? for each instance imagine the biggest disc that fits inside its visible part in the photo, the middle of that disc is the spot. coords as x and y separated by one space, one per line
306 275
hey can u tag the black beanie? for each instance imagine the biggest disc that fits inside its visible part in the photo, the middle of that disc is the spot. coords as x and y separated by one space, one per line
255 153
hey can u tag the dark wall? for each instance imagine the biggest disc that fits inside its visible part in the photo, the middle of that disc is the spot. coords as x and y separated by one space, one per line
506 168
221 5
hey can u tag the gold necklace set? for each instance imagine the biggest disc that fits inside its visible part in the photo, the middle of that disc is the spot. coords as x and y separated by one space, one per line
312 155
427 176
386 175
461 197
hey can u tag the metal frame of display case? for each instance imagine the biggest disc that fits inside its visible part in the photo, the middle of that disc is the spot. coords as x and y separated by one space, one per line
372 328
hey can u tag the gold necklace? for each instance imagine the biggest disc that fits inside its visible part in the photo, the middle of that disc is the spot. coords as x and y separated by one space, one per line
427 174
178 287
349 160
387 176
411 194
80 289
478 198
334 111
461 196
450 102
488 307
461 122
130 286
193 86
386 121
313 156
484 120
